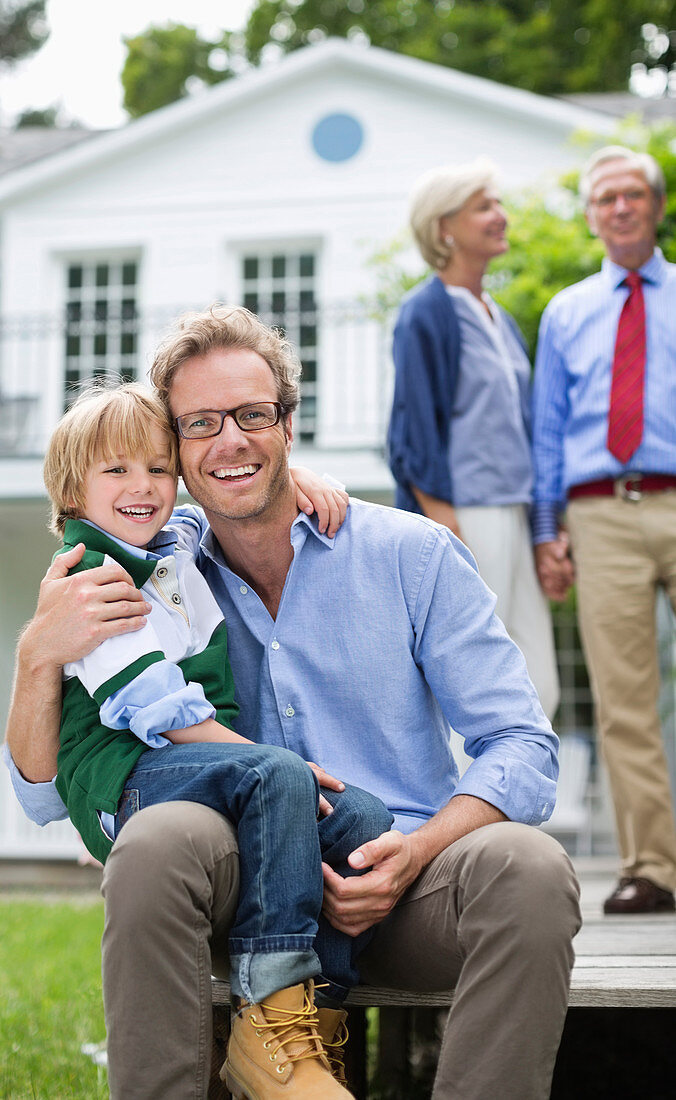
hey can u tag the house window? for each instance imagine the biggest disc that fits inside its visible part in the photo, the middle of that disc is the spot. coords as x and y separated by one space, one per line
280 288
101 329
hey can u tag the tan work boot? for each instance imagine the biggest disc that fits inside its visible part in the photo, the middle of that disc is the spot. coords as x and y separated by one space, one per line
275 1051
333 1033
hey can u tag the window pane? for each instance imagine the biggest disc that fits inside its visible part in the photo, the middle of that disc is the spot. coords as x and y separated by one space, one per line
278 267
101 332
278 301
128 343
307 265
250 267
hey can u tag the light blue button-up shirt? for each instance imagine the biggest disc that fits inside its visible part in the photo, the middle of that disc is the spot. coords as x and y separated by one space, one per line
573 374
385 636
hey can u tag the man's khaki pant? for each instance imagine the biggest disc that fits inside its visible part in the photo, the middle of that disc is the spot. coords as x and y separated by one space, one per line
493 916
623 551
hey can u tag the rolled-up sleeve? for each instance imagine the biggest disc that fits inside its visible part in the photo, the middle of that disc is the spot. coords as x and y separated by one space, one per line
479 678
41 802
156 701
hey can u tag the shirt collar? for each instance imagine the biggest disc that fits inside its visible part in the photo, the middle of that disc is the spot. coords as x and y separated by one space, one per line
138 562
653 271
300 528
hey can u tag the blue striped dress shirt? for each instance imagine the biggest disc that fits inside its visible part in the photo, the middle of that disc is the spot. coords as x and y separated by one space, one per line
571 393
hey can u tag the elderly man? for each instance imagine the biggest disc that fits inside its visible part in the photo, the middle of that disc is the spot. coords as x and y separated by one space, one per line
604 440
359 653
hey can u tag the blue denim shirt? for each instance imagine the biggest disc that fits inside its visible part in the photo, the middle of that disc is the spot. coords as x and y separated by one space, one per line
385 637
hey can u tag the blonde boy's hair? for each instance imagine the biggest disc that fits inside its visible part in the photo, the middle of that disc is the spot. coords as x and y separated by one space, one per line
104 421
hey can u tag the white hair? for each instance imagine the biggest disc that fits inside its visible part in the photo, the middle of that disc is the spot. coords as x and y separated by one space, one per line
441 191
638 162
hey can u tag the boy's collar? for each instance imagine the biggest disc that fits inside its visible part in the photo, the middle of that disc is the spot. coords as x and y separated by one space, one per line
139 569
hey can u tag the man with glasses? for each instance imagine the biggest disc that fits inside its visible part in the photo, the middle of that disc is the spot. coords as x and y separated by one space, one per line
359 653
604 441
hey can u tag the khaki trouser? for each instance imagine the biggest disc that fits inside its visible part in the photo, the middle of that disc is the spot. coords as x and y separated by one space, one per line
493 915
623 551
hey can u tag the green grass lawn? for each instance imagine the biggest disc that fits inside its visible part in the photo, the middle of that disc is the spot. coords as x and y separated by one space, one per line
50 999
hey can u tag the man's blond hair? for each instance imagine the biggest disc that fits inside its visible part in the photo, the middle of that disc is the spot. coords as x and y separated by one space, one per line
227 327
105 420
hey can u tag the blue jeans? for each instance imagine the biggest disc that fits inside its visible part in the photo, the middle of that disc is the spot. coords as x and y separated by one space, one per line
271 796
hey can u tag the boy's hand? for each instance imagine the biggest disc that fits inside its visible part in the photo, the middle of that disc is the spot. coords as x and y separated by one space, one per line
313 494
325 780
77 613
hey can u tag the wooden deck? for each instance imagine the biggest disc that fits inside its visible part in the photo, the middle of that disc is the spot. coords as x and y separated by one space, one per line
621 962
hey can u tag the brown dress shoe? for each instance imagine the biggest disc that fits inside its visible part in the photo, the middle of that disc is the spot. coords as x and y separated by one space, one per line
639 895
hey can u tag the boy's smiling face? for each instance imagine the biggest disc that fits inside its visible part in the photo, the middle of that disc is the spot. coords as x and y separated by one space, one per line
132 497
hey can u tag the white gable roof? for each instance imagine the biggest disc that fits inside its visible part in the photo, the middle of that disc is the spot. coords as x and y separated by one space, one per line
335 54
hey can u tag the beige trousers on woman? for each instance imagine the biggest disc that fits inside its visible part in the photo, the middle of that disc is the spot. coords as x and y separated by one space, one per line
500 540
492 916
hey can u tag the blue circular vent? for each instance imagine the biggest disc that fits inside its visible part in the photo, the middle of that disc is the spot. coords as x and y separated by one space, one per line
337 137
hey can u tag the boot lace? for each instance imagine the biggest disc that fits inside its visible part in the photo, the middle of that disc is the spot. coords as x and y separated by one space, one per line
290 1027
335 1052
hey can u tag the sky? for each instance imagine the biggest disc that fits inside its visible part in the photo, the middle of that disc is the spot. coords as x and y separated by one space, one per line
79 66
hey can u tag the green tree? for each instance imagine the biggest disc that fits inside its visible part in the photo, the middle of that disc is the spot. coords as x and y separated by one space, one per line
163 62
23 29
548 46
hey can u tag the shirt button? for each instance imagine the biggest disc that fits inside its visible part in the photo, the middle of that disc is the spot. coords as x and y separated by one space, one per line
243 589
289 712
275 644
176 599
162 571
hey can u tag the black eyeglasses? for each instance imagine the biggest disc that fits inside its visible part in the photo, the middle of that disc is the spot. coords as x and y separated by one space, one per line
249 418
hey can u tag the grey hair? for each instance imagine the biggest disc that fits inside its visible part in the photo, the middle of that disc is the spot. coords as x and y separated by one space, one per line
640 162
444 190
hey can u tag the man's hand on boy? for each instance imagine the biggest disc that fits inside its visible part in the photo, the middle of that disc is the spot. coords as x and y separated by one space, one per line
77 613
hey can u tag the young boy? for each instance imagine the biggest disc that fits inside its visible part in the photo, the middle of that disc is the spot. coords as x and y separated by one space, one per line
148 718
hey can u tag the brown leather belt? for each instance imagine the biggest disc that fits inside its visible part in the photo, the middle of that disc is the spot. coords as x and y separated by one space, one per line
628 487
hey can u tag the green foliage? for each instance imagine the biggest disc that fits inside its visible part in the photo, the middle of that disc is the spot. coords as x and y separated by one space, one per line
50 1000
162 62
548 46
23 29
550 244
37 116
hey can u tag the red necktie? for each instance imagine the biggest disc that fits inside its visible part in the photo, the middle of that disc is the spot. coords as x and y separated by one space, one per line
625 417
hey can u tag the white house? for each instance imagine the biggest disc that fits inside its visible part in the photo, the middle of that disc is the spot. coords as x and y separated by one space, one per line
271 190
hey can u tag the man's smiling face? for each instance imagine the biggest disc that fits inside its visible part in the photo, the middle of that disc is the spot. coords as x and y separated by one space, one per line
235 474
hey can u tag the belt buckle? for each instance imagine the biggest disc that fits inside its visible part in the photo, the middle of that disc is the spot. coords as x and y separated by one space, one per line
628 487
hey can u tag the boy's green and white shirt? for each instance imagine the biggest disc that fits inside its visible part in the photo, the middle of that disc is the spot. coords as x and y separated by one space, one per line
119 700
